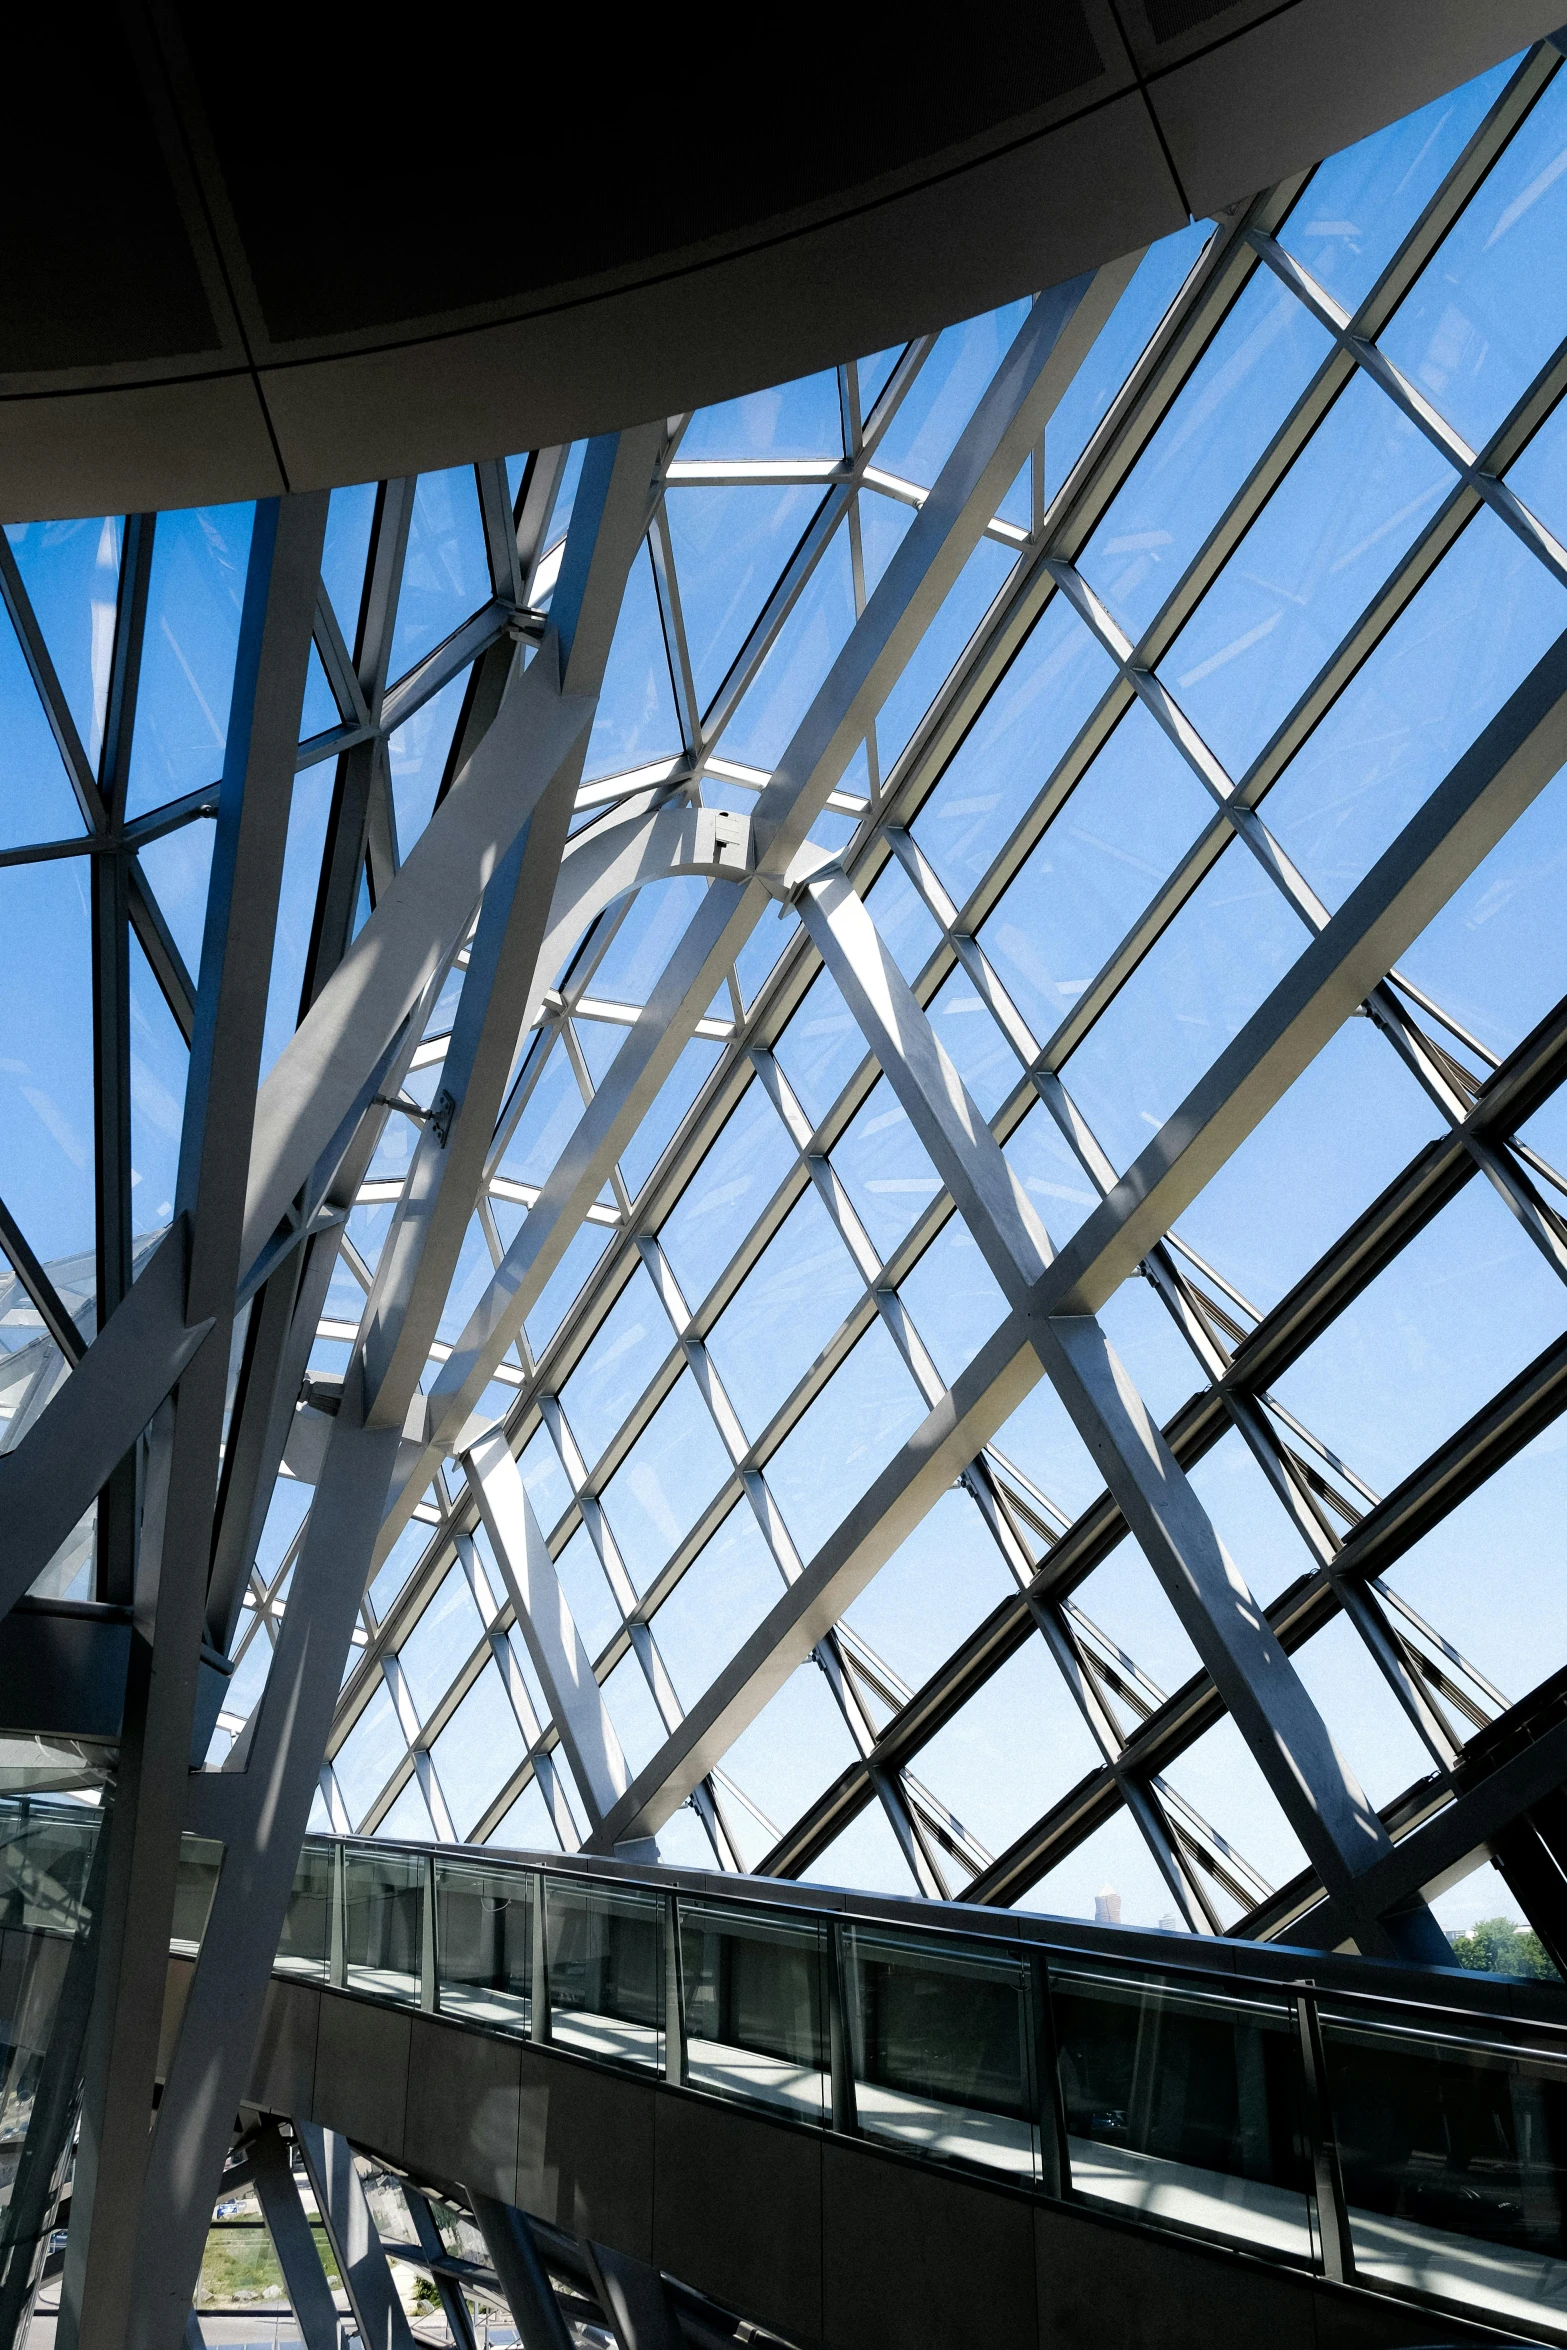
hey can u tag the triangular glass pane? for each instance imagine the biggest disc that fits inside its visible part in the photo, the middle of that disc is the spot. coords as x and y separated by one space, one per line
36 799
446 574
194 603
46 1077
876 374
940 1582
1111 1877
804 650
1155 283
396 1568
528 1826
635 721
945 393
320 713
160 1063
717 1603
307 822
1018 504
796 1746
71 571
369 1754
408 1821
417 754
654 923
586 1246
799 419
179 868
477 1751
1012 1751
730 546
599 1042
349 520
884 525
866 1855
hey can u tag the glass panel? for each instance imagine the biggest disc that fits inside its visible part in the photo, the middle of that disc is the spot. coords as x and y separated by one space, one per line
484 1944
751 1988
305 1944
1182 2105
605 1954
383 1923
1453 2154
940 2045
46 1854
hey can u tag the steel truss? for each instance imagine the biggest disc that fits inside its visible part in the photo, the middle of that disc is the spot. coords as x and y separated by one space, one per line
317 1311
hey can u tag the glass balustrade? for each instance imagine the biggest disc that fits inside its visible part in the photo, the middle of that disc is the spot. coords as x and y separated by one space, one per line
1452 2149
941 2045
1420 2151
1181 2100
753 2005
484 1944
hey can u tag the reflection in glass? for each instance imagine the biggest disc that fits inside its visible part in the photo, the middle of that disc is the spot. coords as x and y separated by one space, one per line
940 2045
484 1944
754 2006
383 1923
604 1951
1181 2104
1453 2153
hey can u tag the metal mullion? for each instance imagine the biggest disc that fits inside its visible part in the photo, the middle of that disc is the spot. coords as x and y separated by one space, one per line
156 940
1372 315
455 653
500 530
1060 1638
1428 420
355 831
1364 1613
677 651
1148 1815
1289 441
35 1280
56 708
338 665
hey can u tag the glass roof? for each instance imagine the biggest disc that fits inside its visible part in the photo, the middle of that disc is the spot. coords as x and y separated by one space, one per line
1287 546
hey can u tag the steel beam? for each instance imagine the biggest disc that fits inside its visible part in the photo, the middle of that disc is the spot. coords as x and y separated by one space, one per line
355 2239
309 2294
544 1617
99 2307
514 2256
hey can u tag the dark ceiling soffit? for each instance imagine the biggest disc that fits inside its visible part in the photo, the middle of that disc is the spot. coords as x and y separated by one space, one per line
1254 93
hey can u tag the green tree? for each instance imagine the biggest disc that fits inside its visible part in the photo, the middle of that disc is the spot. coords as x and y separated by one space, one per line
1495 1946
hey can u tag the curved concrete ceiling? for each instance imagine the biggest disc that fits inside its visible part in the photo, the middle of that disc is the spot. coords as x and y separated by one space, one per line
247 254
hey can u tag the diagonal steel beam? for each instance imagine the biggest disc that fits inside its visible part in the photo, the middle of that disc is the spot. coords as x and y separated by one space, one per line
992 447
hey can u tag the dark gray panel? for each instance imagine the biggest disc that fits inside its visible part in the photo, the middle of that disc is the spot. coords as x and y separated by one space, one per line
1320 76
585 2151
283 2071
462 2107
361 2085
1106 2285
62 1668
1348 2319
443 200
917 2255
96 263
737 2211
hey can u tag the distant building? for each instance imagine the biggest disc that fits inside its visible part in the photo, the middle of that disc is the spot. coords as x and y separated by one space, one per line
1107 1907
